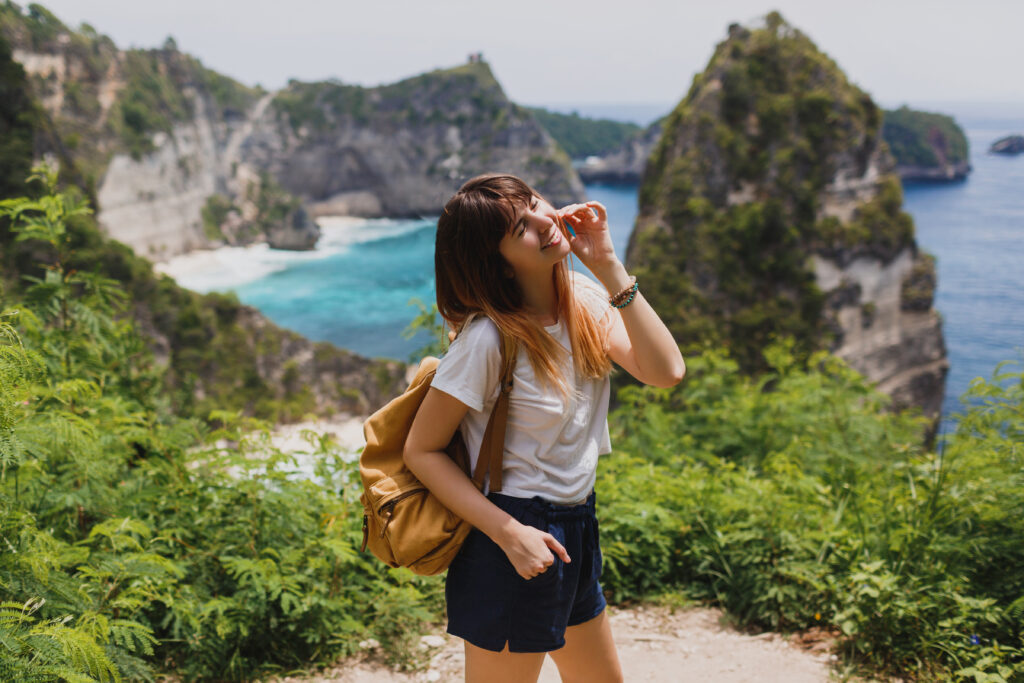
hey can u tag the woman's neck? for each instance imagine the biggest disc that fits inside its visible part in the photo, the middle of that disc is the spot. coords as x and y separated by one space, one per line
541 299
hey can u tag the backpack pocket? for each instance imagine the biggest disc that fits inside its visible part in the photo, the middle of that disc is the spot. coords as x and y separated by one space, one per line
400 523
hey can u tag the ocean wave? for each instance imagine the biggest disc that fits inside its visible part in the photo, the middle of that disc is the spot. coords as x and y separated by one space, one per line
226 268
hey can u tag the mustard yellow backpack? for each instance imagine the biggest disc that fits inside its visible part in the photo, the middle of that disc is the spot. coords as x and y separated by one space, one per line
404 524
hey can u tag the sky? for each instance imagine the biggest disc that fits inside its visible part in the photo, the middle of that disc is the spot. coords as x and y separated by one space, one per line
565 54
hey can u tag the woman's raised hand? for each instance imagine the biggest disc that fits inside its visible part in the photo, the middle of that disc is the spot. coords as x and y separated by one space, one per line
593 242
530 550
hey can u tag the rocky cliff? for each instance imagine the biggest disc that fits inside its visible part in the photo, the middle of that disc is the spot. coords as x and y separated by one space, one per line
626 164
770 208
180 157
402 149
213 353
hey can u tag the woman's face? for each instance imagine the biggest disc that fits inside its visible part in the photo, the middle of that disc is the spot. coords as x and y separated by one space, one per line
535 242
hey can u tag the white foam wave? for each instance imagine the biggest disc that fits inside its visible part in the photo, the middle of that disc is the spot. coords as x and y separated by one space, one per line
229 267
344 231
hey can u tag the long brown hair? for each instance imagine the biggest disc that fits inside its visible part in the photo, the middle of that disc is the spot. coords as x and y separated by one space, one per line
473 278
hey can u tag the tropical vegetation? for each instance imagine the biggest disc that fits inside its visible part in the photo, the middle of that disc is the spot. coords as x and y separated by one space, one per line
582 136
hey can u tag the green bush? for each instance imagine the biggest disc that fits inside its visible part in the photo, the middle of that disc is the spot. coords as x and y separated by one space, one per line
796 500
137 541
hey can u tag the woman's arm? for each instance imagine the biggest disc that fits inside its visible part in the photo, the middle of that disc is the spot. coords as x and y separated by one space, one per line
638 341
528 548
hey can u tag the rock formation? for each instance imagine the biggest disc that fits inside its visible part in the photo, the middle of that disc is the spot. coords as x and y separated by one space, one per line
401 150
213 352
162 141
625 165
1011 145
770 209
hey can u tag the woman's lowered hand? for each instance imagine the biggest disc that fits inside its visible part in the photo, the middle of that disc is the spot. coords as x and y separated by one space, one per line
530 550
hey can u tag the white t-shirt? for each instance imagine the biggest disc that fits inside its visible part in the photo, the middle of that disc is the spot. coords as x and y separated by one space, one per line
551 443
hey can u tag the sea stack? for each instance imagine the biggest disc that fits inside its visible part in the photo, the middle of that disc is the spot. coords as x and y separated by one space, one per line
1011 145
770 208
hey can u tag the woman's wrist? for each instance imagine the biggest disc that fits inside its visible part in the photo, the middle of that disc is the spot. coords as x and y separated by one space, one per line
612 275
502 530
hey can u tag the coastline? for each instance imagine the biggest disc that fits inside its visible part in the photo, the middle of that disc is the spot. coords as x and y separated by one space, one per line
226 267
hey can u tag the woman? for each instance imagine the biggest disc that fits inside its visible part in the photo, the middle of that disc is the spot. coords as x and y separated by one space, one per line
526 581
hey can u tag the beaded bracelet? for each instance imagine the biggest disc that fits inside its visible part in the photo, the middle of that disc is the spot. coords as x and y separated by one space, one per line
626 296
615 298
632 295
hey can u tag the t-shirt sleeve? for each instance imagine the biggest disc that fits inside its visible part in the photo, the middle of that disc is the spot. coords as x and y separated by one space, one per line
594 297
470 370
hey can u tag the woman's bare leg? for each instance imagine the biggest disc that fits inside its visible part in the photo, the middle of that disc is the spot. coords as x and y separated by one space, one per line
589 654
484 666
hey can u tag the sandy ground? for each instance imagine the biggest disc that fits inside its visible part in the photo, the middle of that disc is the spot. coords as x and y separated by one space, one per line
346 429
655 644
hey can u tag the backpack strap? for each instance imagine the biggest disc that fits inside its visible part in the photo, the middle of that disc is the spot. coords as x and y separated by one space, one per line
492 448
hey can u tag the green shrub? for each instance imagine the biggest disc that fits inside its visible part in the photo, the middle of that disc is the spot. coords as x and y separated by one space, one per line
796 500
137 541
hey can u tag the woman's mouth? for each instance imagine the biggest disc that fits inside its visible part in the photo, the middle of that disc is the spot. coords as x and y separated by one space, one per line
555 239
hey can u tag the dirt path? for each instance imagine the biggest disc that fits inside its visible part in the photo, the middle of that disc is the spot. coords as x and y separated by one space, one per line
654 644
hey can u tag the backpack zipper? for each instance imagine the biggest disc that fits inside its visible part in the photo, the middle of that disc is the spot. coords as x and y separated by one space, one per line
387 510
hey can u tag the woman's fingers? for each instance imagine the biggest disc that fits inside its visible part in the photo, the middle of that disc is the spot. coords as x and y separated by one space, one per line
586 215
598 207
557 547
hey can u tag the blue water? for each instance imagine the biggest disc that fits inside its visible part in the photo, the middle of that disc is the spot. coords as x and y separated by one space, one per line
357 296
975 229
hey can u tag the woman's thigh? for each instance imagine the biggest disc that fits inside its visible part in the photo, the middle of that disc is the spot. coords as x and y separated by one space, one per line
589 653
486 666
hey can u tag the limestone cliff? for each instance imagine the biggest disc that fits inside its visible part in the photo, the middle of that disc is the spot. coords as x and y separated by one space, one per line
180 157
213 353
402 149
770 208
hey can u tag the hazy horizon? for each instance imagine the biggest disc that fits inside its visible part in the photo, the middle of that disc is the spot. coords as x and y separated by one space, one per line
554 55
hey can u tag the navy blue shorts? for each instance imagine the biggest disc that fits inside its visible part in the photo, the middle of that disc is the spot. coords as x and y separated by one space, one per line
490 605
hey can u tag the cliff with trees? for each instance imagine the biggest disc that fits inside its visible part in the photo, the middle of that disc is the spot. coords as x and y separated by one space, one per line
180 157
770 208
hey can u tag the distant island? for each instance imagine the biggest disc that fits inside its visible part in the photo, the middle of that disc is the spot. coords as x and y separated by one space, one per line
1011 145
926 146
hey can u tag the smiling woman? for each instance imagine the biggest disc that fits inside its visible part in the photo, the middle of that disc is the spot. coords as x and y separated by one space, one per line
526 581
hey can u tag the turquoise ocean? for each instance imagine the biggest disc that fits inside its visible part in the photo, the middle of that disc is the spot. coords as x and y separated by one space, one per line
355 289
